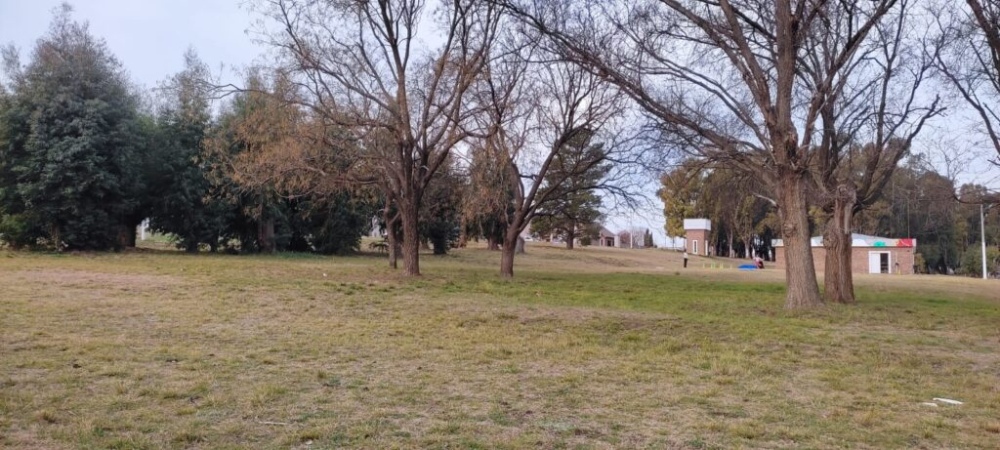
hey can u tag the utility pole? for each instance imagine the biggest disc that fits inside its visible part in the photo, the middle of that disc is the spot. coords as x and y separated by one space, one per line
982 237
631 230
982 234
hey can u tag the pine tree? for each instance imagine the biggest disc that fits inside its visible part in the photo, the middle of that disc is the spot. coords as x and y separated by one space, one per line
574 206
185 204
66 169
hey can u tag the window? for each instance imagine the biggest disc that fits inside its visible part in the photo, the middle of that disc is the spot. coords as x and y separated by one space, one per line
694 247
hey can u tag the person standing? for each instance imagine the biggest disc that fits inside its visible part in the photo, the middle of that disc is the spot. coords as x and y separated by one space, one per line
685 259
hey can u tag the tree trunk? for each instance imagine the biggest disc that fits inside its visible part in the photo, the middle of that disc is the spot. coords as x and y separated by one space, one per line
491 244
800 272
127 235
732 252
507 252
411 239
513 243
838 280
56 236
265 235
392 239
570 235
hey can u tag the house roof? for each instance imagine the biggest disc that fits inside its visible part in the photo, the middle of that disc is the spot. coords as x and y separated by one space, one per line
861 240
606 232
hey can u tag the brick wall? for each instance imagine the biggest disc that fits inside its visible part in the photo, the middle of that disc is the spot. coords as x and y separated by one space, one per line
859 258
701 236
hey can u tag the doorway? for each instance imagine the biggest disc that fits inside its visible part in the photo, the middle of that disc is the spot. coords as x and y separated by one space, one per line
879 262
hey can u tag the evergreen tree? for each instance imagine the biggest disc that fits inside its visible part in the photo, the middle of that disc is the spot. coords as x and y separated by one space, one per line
66 166
334 224
574 206
186 204
439 213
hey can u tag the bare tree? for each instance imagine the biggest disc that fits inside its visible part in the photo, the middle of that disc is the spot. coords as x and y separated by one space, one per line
723 80
540 112
366 67
972 61
868 124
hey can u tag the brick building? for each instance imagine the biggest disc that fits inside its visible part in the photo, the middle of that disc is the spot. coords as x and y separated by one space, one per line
696 233
870 254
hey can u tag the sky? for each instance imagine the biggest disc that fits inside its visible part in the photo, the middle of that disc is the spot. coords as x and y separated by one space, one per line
150 37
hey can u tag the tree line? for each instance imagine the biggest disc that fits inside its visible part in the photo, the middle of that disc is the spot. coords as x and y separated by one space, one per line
531 106
85 156
812 103
918 201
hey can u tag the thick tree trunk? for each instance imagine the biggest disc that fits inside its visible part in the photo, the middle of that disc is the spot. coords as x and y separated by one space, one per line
800 272
838 281
491 244
732 252
511 241
56 236
411 239
508 250
265 235
519 247
127 235
507 259
570 235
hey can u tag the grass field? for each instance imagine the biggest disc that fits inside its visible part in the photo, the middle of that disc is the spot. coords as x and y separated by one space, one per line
593 348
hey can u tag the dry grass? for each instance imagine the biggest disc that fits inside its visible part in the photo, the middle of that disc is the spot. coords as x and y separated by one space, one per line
595 348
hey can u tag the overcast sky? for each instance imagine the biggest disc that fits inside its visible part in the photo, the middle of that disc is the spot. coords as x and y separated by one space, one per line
150 37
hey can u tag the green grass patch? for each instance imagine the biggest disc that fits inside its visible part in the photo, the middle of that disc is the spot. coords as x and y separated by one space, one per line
584 349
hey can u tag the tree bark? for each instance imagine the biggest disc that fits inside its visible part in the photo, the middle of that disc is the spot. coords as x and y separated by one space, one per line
507 252
392 239
411 240
127 235
838 280
265 234
570 235
800 271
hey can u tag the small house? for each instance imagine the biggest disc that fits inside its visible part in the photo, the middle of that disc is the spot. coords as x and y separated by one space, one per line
605 238
696 233
869 254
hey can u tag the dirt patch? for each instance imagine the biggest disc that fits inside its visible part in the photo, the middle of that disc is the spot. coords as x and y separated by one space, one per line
90 280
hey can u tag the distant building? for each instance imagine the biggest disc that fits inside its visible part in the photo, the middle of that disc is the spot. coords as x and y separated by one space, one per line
869 254
605 238
696 233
